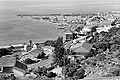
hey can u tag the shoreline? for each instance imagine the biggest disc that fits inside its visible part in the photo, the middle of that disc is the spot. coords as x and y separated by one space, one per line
15 42
50 34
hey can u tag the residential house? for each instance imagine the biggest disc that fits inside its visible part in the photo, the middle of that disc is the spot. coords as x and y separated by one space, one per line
69 36
10 65
17 48
57 70
81 48
32 55
86 29
80 40
46 63
48 50
104 28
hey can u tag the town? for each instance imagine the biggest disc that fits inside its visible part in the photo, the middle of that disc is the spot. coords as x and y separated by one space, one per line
89 49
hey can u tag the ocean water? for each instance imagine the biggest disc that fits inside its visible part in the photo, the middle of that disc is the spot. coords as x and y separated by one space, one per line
14 30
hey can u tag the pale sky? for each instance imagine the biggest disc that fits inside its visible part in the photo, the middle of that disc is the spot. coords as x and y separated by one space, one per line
87 1
36 5
58 1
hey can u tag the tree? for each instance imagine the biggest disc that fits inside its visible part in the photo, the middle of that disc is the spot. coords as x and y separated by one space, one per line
116 72
29 61
91 53
51 75
113 23
41 56
42 71
5 51
80 74
112 31
78 29
59 56
93 29
49 43
59 42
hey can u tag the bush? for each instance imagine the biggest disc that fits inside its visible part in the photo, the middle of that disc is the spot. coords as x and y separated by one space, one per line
80 74
42 70
29 61
101 57
51 75
7 77
41 56
116 72
49 43
5 51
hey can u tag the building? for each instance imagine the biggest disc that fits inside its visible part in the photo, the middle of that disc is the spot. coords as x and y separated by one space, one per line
81 47
32 55
69 36
10 65
48 50
15 48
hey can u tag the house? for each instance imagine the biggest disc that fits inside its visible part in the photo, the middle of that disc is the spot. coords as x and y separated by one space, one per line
105 29
79 40
57 70
32 55
10 65
69 36
15 48
46 63
82 47
48 50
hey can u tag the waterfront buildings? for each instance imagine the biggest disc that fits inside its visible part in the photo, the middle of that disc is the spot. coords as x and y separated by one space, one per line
10 65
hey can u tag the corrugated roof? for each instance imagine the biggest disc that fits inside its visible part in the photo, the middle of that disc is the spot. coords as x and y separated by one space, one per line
35 52
82 47
7 61
80 50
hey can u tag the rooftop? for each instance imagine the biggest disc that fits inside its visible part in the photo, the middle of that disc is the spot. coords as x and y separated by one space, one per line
7 61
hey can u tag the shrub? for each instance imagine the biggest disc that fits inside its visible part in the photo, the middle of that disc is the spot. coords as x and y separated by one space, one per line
51 75
116 72
80 74
29 61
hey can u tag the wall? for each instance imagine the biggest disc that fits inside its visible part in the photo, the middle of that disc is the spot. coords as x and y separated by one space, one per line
18 73
7 69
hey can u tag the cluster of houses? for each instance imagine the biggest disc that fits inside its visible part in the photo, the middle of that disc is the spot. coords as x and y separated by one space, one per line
78 43
9 64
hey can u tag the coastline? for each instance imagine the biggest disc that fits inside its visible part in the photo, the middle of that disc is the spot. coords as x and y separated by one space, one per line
22 31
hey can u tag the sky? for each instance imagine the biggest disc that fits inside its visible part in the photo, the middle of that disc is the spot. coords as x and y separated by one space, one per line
52 1
35 5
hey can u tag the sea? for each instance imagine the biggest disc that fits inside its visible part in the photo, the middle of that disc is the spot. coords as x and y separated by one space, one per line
16 30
